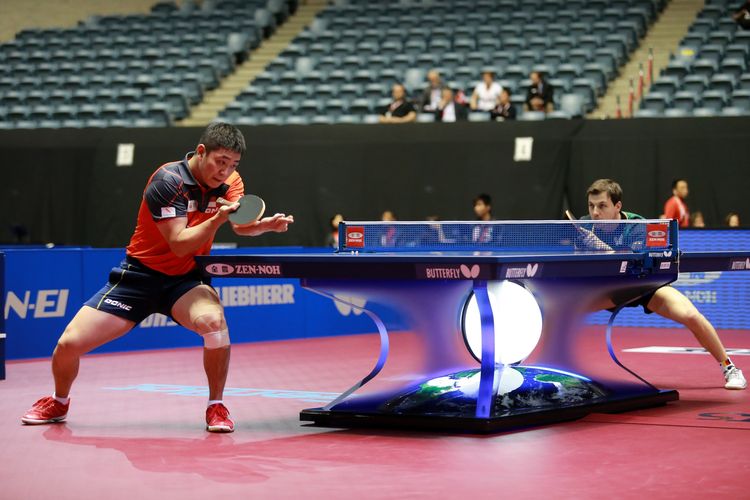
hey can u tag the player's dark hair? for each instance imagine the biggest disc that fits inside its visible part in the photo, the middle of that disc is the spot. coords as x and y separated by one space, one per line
677 181
219 135
484 198
608 186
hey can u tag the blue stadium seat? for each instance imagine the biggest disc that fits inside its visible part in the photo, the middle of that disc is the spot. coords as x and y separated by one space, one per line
656 101
666 84
735 111
573 104
695 83
741 99
677 113
647 113
686 100
734 66
705 67
724 82
714 99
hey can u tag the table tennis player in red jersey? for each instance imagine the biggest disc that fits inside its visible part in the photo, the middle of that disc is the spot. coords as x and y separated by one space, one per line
184 204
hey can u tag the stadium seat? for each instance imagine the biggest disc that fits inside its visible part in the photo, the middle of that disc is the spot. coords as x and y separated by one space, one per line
676 113
647 113
686 100
656 101
714 99
735 111
741 99
573 104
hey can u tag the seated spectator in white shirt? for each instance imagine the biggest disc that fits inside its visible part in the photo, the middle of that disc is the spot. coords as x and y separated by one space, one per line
486 93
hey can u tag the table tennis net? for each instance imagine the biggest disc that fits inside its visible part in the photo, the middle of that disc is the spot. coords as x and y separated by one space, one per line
509 236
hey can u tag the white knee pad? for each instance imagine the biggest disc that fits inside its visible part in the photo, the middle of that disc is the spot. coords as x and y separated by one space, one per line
216 340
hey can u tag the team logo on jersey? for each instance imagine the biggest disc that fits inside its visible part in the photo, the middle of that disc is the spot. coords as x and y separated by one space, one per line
192 206
168 212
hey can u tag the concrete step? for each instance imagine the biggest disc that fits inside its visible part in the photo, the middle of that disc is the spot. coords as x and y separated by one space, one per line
664 35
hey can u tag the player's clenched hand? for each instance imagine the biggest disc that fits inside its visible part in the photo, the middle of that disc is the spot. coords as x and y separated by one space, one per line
590 241
226 207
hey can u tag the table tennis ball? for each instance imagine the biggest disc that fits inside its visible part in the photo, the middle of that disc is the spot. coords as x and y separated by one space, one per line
518 322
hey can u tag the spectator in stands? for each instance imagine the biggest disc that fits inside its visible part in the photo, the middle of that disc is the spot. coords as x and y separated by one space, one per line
388 216
400 110
486 93
540 94
732 219
332 238
505 110
183 205
605 203
432 95
697 220
675 207
742 16
449 108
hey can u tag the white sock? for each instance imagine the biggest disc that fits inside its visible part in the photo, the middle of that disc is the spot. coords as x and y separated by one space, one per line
726 365
59 399
215 401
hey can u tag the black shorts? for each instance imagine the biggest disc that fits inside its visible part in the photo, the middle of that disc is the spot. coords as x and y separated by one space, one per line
642 301
135 291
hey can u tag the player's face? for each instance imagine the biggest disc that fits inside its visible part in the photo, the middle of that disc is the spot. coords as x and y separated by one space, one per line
602 208
215 167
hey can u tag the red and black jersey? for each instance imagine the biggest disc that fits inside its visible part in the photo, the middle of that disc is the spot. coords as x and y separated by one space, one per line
172 191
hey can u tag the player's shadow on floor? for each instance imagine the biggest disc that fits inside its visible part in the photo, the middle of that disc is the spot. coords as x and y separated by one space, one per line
221 458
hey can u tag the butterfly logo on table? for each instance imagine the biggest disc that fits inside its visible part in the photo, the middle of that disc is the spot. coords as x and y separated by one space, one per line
470 272
349 304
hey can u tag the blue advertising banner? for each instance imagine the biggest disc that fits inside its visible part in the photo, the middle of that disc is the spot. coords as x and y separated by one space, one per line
722 297
46 287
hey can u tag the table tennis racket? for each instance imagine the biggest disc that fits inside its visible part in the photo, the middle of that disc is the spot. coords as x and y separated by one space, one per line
570 215
251 209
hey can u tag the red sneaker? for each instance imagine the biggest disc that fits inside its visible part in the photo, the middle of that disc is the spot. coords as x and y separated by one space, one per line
45 411
218 419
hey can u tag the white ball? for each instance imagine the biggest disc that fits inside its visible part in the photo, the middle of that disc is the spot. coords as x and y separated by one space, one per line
517 321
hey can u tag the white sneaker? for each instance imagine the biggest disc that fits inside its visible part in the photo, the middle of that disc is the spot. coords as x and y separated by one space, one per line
735 379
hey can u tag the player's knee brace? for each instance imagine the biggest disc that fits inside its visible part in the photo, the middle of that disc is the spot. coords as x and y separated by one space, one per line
216 340
213 330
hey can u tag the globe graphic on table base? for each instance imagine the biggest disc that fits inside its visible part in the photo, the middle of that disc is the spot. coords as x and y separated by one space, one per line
536 389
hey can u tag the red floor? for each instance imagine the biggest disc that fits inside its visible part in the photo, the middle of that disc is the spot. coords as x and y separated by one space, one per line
122 441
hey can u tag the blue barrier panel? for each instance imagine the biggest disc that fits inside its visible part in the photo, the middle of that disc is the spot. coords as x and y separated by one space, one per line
47 287
722 297
2 317
43 289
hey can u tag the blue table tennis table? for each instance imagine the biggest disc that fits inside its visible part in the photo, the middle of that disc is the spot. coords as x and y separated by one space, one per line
428 272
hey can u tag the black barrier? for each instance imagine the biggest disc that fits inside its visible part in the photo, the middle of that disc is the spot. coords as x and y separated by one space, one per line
63 186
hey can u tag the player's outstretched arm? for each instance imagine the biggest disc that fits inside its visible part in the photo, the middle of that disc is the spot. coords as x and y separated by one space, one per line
277 223
587 240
